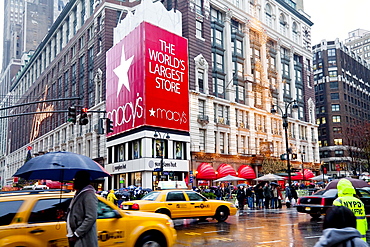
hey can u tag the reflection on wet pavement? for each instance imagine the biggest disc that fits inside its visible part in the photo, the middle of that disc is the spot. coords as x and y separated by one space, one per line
272 227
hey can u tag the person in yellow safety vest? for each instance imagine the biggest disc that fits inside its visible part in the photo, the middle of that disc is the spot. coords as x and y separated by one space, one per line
112 197
346 198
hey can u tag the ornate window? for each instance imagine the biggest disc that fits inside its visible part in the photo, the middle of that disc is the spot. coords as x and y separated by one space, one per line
283 24
295 32
268 15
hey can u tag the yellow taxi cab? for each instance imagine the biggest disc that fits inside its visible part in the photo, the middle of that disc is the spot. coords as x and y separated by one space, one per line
178 203
36 218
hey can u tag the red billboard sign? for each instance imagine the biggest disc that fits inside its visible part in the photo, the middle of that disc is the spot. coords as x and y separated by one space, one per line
147 80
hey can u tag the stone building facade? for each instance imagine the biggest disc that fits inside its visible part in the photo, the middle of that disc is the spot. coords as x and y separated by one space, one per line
244 57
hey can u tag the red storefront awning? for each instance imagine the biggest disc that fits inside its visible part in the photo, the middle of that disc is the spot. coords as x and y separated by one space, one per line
246 172
307 174
224 170
205 171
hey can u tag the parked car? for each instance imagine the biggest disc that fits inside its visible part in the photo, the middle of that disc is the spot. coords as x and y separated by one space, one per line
317 204
36 218
179 204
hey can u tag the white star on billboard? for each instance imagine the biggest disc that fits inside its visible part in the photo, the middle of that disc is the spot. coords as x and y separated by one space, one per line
121 71
152 112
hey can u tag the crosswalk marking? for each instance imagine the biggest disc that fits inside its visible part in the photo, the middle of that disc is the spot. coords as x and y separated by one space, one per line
276 241
224 239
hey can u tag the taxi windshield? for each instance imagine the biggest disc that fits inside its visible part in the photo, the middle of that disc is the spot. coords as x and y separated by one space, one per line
151 196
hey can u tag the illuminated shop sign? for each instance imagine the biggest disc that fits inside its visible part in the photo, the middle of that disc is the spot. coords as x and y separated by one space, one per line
147 80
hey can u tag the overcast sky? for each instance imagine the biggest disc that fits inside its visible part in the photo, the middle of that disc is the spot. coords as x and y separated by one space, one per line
332 18
1 31
335 18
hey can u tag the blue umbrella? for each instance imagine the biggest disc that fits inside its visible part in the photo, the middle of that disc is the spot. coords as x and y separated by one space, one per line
59 166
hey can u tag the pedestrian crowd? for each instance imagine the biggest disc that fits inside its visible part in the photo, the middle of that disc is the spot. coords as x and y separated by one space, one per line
117 196
265 195
262 196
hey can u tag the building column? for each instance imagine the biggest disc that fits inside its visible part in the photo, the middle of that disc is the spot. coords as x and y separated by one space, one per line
249 95
217 141
293 91
233 130
228 63
279 76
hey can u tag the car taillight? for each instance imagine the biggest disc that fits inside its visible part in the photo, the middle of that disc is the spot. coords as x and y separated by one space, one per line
135 206
299 200
322 201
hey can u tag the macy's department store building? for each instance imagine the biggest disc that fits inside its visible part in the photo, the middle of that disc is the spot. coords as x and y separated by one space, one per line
147 99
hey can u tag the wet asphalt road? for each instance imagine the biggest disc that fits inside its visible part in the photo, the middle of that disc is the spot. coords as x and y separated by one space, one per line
272 227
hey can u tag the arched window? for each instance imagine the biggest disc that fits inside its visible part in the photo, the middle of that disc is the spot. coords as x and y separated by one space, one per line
283 24
295 32
268 14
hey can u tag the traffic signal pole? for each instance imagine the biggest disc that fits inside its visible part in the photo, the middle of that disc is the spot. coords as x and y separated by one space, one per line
72 112
31 113
42 101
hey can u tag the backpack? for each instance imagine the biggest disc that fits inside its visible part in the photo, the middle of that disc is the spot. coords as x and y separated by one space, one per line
294 193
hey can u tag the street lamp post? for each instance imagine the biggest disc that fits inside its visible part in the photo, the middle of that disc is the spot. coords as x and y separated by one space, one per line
161 137
284 116
302 156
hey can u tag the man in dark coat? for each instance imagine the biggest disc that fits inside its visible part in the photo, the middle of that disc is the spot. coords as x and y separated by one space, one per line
218 193
240 196
249 193
290 193
259 196
267 194
82 213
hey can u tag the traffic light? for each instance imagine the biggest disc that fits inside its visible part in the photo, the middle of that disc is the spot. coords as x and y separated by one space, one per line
324 170
294 156
283 157
71 114
109 126
83 117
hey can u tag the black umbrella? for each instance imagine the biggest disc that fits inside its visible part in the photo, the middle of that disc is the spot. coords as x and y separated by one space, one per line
60 166
357 183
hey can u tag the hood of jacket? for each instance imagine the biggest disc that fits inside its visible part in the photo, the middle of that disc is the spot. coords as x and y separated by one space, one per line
345 188
333 236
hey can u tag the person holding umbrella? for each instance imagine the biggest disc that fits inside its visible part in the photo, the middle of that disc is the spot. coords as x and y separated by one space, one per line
65 166
82 213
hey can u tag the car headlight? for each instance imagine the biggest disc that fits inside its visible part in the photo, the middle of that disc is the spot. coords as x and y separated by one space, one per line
170 223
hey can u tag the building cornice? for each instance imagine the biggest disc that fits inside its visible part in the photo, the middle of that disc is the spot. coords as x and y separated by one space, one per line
295 12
